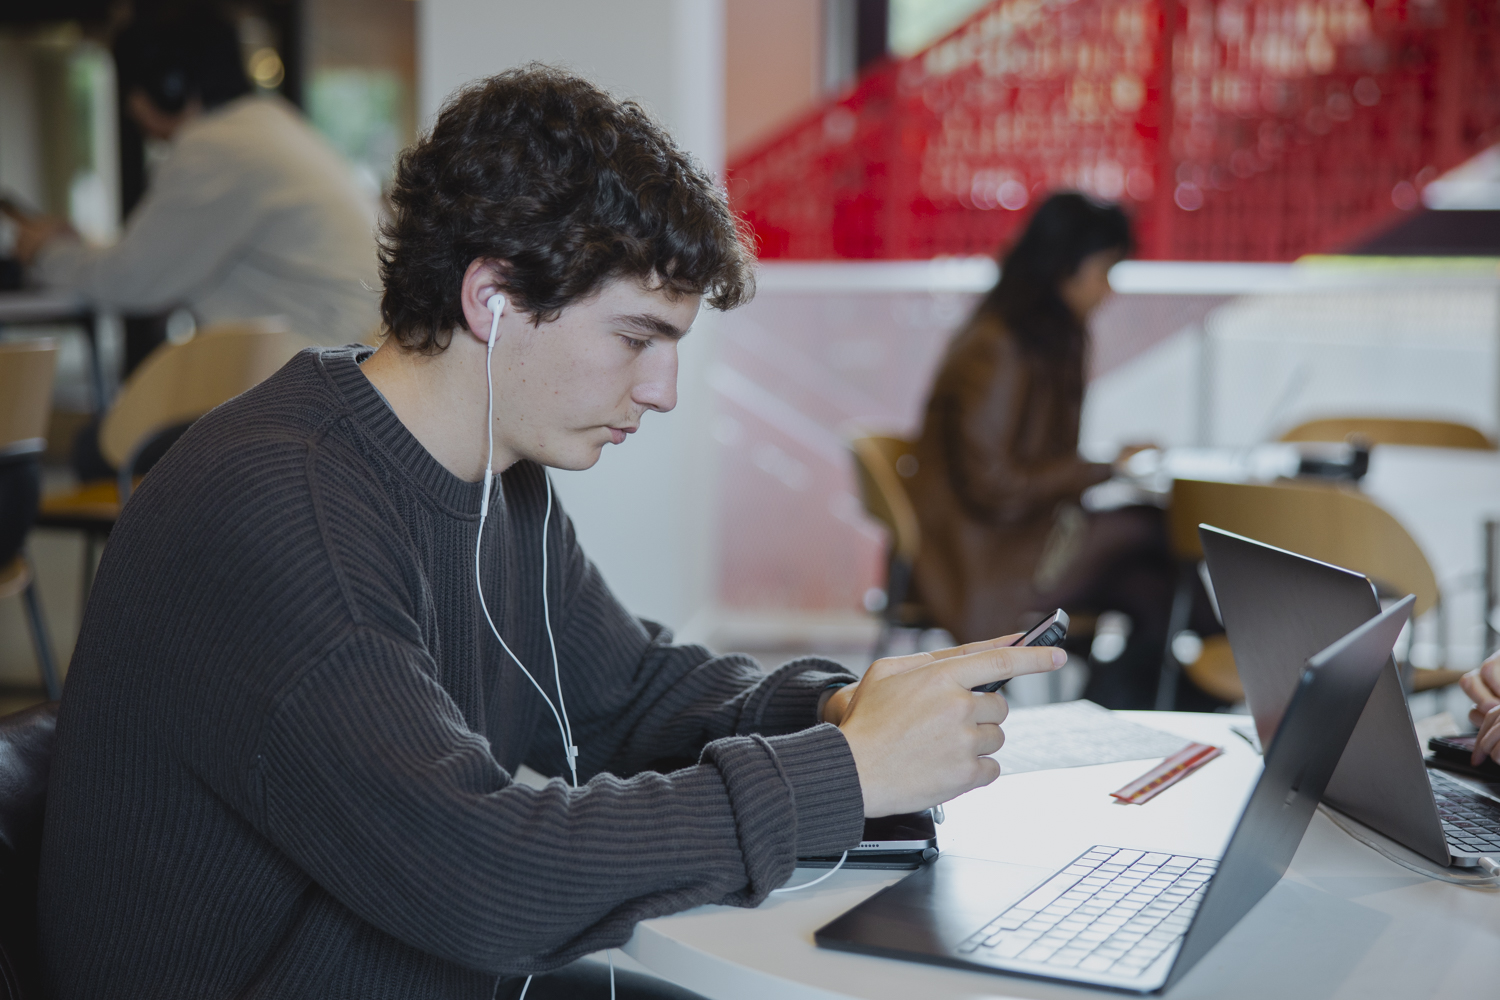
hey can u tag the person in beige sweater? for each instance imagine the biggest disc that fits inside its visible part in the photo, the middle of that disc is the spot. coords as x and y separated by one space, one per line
252 213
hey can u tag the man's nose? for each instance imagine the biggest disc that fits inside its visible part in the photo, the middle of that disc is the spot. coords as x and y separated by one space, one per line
657 389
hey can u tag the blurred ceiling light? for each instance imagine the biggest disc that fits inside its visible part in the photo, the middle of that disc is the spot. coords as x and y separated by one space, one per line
266 69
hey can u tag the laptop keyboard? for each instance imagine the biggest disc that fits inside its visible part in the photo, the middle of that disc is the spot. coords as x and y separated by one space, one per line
1111 910
1471 822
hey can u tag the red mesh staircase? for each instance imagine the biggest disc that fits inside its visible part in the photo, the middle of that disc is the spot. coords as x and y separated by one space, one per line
1233 129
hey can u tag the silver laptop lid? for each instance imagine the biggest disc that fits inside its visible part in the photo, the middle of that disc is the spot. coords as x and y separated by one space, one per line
1279 608
1328 696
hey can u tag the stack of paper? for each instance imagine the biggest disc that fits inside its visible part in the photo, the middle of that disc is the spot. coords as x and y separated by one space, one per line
1075 734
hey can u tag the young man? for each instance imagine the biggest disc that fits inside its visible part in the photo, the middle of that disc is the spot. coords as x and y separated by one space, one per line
286 746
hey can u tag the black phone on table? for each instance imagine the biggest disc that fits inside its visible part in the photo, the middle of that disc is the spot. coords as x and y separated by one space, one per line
1455 752
1050 631
899 842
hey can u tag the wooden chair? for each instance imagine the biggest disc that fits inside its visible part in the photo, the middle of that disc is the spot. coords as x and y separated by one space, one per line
881 463
1393 430
26 369
1330 523
174 386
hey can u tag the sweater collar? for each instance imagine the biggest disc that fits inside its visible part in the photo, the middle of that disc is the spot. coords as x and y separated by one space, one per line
380 423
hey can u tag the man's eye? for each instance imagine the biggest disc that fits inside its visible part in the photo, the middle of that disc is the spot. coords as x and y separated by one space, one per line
636 344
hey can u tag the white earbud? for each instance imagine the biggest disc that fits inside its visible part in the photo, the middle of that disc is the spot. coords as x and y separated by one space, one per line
496 305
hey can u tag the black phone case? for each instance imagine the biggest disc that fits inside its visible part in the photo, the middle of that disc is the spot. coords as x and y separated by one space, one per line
906 826
1052 637
1452 753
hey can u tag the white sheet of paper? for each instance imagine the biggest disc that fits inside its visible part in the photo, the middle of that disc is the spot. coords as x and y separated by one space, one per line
1075 734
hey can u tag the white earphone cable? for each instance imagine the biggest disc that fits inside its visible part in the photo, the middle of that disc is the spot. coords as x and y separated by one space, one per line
570 751
808 885
552 643
496 305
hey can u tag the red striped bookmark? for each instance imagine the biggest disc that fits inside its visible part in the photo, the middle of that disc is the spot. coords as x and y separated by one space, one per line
1166 774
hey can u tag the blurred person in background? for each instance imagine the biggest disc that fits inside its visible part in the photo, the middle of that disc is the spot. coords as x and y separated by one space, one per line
999 478
250 214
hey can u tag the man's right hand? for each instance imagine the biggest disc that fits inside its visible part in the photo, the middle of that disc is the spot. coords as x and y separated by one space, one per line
920 736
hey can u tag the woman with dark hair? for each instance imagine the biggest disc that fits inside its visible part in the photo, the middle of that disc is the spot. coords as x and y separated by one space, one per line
999 477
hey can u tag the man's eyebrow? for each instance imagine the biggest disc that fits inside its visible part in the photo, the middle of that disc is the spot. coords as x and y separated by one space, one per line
648 323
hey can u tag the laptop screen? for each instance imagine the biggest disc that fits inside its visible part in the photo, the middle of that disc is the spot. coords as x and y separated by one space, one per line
1280 608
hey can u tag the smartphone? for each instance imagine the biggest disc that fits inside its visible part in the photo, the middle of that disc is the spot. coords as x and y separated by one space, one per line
1454 753
899 842
1050 631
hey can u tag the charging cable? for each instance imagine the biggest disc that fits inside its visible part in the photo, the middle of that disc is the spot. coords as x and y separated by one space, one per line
1489 880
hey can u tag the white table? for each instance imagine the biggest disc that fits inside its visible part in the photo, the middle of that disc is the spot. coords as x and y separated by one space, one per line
1345 922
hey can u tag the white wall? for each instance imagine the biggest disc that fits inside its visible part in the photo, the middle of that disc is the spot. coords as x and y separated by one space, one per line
644 513
20 150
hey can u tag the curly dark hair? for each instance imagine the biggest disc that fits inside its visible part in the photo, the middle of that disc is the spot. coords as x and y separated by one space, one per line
566 185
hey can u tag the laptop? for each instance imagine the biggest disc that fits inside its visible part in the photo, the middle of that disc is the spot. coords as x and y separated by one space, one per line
1132 919
1278 605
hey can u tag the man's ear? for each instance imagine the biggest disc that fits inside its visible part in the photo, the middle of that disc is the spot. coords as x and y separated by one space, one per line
482 279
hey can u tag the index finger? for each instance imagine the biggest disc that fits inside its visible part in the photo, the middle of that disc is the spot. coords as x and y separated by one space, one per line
991 665
1473 685
890 665
1489 673
975 647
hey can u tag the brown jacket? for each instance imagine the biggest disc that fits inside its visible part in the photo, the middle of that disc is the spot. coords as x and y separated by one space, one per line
997 457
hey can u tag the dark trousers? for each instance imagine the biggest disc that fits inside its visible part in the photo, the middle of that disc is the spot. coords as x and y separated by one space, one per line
1125 564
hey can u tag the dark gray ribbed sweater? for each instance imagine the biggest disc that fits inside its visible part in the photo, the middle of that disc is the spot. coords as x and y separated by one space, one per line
284 751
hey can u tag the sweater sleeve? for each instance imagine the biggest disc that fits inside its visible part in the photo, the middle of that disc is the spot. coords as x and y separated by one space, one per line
634 698
369 779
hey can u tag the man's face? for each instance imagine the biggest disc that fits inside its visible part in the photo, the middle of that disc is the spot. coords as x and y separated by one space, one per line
565 389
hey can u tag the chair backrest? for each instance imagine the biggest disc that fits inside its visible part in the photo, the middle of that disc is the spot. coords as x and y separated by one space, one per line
1393 430
26 368
178 383
26 744
1334 524
879 462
